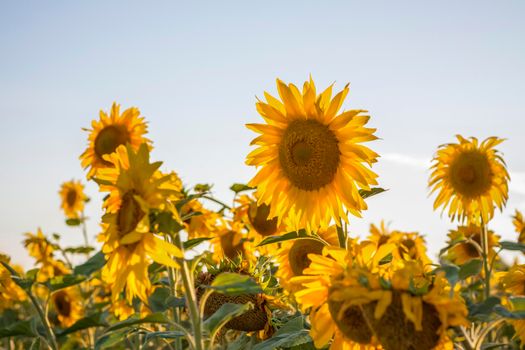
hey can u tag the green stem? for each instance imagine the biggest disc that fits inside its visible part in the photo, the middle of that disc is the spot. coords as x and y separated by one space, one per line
485 248
172 273
217 201
84 231
52 342
341 234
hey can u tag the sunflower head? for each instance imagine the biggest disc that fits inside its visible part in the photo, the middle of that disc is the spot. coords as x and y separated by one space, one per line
519 225
311 159
231 242
469 246
513 281
202 225
67 304
73 198
471 179
10 292
111 131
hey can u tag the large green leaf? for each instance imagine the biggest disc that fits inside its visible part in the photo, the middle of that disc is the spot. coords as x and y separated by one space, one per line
235 284
451 273
95 263
133 321
291 334
225 313
471 268
514 315
95 320
164 335
64 281
483 310
20 328
158 299
285 237
507 245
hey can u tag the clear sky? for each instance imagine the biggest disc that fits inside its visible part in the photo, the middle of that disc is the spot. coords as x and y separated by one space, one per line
426 70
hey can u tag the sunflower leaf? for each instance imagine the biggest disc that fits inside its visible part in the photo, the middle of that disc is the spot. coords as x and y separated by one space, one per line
237 188
230 283
73 222
164 335
514 315
224 314
95 320
483 310
95 263
132 321
20 328
507 245
471 268
291 334
373 191
287 236
63 281
195 242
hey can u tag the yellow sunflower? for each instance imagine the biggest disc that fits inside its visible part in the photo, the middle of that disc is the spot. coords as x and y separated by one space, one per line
230 242
471 179
462 252
111 131
135 187
519 225
292 256
513 281
67 303
73 198
311 158
203 225
10 292
42 250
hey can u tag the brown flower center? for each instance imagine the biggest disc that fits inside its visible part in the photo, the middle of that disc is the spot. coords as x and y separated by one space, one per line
470 174
129 214
258 216
109 138
351 322
62 303
71 197
309 154
231 245
298 254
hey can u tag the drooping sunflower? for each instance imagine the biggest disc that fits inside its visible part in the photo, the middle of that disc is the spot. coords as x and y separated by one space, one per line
67 303
292 256
311 158
519 225
471 179
464 251
231 242
111 131
73 198
42 250
135 187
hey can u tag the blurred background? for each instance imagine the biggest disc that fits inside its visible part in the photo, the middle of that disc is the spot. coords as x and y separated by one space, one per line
425 71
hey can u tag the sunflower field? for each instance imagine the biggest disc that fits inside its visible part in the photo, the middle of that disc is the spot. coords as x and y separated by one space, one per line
276 266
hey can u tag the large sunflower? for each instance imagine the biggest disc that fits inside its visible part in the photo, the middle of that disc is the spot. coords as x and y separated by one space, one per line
73 198
311 158
135 187
471 179
111 131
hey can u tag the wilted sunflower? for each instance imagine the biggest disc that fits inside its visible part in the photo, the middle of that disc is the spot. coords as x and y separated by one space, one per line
42 250
471 179
292 256
519 225
111 131
135 187
73 198
311 158
67 303
462 252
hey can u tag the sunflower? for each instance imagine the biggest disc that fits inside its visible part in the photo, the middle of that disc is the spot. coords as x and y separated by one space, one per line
42 250
469 246
311 158
231 243
202 225
292 256
519 225
111 131
352 305
135 187
73 198
471 179
67 304
513 281
10 292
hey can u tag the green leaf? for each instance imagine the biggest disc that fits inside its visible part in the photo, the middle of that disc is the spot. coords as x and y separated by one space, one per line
451 273
499 346
164 335
166 223
225 313
95 320
483 310
63 281
157 300
201 188
471 268
23 282
112 340
95 263
373 191
79 250
20 328
291 334
132 321
285 237
230 283
73 222
452 244
188 216
514 315
237 187
512 246
387 259
518 303
194 242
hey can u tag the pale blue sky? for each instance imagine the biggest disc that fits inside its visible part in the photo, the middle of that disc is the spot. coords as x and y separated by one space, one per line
425 71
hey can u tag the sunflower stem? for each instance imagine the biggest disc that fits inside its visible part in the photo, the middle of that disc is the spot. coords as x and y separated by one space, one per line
84 231
485 247
224 205
172 275
341 234
51 339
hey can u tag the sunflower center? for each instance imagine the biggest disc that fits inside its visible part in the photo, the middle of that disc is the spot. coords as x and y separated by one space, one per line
129 214
62 303
109 138
351 322
71 198
309 154
470 174
298 254
230 246
259 220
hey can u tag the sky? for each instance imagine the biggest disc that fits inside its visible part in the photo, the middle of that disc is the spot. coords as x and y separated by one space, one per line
425 71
